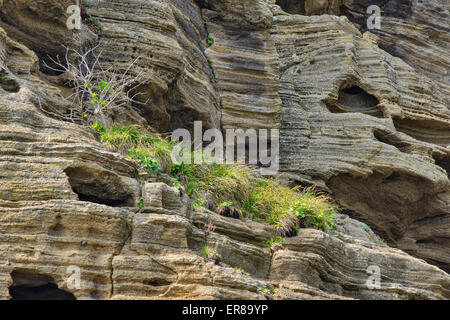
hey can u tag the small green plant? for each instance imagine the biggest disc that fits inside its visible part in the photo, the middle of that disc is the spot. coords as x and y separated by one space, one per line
315 211
209 62
210 40
141 202
224 204
98 127
208 252
150 164
266 291
177 185
275 240
382 240
178 170
199 202
367 228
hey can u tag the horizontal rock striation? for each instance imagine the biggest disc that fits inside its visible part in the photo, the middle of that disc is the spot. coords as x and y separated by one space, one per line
244 61
361 124
365 127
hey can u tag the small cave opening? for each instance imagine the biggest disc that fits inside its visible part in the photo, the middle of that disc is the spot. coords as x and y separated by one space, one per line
292 6
99 186
443 162
390 139
7 82
157 282
431 131
34 286
355 99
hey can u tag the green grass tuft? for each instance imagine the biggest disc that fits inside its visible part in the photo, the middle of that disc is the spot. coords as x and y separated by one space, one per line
237 185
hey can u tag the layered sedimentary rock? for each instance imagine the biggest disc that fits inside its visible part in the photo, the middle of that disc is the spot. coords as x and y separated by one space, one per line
356 121
168 39
244 60
366 127
416 31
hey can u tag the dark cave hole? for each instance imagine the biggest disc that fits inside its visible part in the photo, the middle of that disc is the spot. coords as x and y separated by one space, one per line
292 6
7 82
424 130
389 139
157 282
443 162
100 187
33 286
355 99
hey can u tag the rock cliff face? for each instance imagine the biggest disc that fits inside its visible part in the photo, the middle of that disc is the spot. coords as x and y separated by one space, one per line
364 116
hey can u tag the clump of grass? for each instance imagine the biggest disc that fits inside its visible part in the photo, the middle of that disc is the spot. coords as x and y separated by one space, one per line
210 40
138 144
315 210
237 185
275 240
288 208
227 183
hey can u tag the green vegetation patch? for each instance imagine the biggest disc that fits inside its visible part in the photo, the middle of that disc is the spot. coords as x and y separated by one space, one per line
236 185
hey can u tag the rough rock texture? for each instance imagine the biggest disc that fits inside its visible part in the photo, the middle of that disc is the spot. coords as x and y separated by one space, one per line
370 128
414 30
169 38
244 60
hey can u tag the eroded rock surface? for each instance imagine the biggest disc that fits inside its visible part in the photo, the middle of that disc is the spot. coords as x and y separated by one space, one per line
370 128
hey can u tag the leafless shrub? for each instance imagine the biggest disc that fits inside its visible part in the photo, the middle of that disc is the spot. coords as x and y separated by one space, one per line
96 91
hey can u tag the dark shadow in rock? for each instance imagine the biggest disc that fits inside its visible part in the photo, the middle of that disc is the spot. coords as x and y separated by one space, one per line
157 282
355 99
102 187
425 130
7 82
292 6
230 212
443 162
33 286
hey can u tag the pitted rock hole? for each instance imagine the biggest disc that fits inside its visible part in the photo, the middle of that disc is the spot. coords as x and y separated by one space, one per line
7 82
355 99
292 6
34 286
102 187
443 162
425 130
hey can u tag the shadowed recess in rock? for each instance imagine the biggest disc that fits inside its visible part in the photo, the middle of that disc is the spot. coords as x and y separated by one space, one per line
355 99
100 187
33 286
292 6
425 130
7 82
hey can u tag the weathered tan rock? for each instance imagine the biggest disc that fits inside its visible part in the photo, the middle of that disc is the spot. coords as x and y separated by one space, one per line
243 58
367 128
169 38
416 31
381 150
